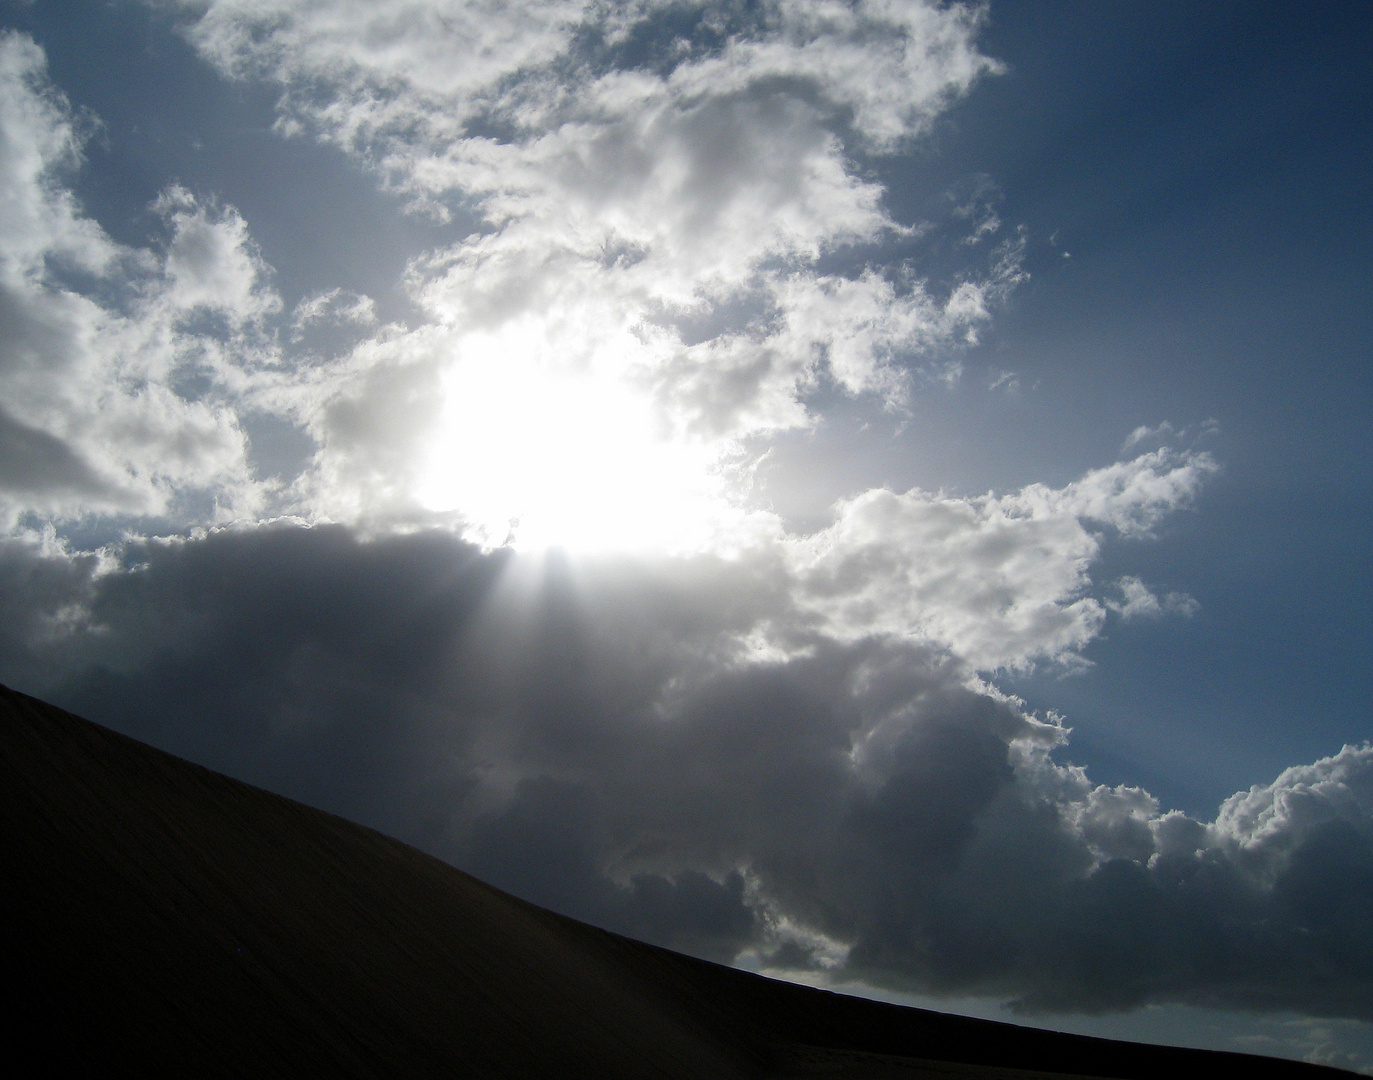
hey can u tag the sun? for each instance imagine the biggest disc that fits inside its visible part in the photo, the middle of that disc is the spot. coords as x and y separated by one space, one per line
535 457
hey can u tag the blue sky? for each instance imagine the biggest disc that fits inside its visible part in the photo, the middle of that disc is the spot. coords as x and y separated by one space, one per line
939 431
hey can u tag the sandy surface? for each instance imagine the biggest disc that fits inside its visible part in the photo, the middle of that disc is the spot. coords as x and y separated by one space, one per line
161 919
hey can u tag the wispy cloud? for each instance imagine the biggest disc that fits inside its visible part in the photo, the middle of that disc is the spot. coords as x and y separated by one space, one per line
1138 601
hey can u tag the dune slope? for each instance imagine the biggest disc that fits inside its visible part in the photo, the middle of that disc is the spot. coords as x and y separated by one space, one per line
158 918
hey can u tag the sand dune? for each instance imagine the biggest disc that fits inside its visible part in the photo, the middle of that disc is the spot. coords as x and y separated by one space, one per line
162 919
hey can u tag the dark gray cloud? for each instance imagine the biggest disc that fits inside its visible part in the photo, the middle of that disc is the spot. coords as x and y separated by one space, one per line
31 460
611 739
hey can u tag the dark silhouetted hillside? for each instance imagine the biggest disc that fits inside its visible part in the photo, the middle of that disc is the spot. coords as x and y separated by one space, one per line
161 919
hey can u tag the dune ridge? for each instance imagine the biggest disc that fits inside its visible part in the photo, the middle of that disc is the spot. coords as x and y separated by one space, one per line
163 919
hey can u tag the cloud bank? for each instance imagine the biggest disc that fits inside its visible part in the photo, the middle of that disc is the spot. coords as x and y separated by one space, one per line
677 749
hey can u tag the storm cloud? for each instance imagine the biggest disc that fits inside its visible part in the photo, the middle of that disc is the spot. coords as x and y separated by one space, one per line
671 749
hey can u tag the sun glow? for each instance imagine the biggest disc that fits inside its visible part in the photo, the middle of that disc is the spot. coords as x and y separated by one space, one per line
536 458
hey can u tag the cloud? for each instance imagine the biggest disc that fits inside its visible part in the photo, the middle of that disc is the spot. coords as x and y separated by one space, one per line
655 200
1265 826
112 357
1255 909
1002 581
706 140
1138 602
1165 431
611 739
1132 497
656 188
32 461
434 70
210 262
708 732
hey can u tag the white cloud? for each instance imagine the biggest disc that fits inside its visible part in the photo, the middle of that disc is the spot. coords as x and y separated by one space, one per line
653 225
1002 581
1137 601
584 373
333 306
1145 433
600 317
1261 828
454 51
210 261
437 66
1132 497
1164 431
38 215
97 407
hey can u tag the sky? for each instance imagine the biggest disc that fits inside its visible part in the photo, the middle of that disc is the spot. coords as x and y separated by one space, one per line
873 492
